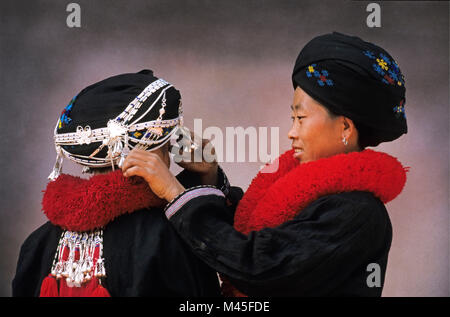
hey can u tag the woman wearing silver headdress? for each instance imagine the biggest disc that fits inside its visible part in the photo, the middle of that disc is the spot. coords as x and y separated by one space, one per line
107 235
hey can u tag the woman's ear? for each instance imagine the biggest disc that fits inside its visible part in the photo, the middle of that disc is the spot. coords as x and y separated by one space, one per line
350 132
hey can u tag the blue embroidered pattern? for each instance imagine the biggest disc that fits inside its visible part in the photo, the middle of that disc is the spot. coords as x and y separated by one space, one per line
65 115
369 54
389 74
321 76
386 68
140 134
400 109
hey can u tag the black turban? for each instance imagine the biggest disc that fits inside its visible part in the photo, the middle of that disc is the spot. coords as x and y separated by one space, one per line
356 79
98 103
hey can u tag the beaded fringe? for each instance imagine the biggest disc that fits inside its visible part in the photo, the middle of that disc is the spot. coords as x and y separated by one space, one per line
78 258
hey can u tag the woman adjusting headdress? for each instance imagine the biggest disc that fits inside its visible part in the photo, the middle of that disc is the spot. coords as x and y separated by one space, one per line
315 225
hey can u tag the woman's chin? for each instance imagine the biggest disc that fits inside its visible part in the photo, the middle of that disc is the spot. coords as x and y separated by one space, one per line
298 156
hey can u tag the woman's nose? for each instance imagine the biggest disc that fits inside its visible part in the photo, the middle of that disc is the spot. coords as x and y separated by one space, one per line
292 134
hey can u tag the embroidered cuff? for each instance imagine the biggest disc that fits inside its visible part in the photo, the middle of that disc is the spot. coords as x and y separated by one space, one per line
189 194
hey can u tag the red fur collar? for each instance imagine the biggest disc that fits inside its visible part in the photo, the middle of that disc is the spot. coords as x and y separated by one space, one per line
78 204
273 198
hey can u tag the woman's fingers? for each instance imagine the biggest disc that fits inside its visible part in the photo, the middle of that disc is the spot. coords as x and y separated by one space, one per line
140 158
156 173
134 171
130 162
142 155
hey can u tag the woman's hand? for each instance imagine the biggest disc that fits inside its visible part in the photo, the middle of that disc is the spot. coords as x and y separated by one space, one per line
156 173
201 160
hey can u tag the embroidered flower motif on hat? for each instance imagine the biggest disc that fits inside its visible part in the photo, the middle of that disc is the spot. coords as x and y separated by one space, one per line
388 80
393 75
385 58
384 63
395 66
400 78
65 114
369 54
400 109
321 76
378 69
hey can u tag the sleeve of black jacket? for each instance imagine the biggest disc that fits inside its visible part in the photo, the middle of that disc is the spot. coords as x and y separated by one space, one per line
324 251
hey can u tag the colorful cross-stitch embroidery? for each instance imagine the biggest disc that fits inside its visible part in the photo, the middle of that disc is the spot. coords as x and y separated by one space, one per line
369 54
388 69
144 133
137 134
65 115
400 109
320 75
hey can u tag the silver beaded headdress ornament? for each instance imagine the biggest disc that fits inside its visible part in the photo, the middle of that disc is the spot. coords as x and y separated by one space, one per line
121 133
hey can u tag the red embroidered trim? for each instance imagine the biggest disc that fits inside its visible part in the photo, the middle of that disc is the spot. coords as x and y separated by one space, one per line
78 204
274 198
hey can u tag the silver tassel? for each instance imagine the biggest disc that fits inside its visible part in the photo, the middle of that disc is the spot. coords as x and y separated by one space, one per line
117 147
86 170
110 156
79 269
58 165
123 155
125 151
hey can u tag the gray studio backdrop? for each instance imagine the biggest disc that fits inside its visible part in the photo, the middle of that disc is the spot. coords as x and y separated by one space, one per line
232 62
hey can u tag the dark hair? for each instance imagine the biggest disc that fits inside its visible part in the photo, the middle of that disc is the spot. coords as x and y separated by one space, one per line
363 131
363 135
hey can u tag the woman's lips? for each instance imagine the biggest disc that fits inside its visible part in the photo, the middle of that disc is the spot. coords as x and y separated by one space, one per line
297 153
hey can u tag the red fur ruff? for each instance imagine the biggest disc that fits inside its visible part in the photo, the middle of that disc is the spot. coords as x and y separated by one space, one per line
77 204
274 198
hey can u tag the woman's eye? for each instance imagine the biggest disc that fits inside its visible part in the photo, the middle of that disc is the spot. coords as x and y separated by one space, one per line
297 117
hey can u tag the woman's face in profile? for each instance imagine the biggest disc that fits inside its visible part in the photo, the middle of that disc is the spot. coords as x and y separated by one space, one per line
314 133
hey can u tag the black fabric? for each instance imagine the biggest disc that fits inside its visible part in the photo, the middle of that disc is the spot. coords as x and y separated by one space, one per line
323 251
98 103
357 79
144 256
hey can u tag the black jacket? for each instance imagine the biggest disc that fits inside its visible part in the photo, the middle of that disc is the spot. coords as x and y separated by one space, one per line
336 246
144 256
